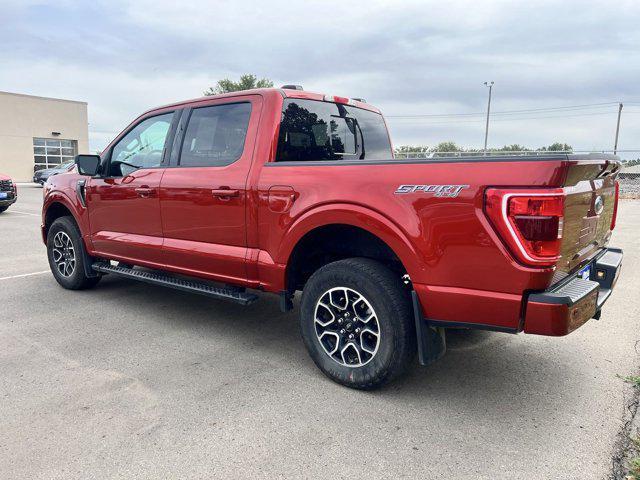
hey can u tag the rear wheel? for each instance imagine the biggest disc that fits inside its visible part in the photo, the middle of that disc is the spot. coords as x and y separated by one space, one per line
66 253
356 323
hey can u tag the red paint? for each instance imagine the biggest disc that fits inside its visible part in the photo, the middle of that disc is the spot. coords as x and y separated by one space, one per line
547 319
477 306
463 268
124 215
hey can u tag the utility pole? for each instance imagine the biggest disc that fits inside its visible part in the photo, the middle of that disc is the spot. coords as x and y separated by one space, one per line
486 128
615 144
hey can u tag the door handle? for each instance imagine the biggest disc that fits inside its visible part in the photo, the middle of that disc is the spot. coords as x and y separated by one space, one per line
145 192
225 193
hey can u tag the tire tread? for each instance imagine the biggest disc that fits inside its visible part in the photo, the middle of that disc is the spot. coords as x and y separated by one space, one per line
397 297
78 281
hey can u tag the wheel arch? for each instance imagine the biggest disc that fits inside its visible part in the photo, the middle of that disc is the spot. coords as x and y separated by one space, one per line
55 207
375 237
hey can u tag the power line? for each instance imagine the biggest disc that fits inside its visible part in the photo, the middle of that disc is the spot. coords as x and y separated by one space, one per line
510 112
554 110
452 121
556 116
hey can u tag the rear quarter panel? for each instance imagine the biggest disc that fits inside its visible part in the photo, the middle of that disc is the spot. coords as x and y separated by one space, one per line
450 242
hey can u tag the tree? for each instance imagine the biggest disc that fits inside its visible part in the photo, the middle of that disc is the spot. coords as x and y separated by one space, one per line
515 147
246 82
450 147
557 147
447 147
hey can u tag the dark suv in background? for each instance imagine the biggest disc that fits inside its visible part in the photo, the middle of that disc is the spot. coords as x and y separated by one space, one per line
8 192
41 176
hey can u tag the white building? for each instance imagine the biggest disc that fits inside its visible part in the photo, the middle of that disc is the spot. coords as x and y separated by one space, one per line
39 132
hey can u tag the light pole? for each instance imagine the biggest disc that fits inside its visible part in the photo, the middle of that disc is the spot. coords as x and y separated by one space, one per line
486 128
615 143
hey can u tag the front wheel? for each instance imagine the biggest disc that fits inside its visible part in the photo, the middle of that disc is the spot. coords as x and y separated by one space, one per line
357 324
2 209
65 250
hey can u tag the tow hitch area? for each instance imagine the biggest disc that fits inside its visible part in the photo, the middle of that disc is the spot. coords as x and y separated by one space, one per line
569 304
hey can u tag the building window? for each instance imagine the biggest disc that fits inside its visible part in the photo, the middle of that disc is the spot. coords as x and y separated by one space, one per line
49 152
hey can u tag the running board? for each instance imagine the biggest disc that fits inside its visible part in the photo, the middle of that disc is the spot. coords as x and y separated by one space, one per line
236 295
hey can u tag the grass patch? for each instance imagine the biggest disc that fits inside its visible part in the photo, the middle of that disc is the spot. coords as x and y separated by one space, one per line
632 379
634 461
634 469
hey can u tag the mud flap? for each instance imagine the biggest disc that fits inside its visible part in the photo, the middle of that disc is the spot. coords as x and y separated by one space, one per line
431 340
87 262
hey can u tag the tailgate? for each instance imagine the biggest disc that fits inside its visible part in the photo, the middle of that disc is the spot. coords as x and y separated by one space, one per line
589 208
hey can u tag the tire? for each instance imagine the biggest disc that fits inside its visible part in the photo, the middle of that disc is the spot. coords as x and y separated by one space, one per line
66 253
371 360
3 209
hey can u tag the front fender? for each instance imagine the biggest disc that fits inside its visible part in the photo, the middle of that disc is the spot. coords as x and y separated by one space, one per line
64 193
357 216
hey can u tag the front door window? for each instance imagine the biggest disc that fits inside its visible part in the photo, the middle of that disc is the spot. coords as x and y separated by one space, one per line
142 147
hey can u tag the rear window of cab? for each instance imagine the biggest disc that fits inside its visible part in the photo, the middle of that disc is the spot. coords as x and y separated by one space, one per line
312 130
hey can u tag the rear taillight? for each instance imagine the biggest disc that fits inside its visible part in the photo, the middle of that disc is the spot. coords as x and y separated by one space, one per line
529 222
615 206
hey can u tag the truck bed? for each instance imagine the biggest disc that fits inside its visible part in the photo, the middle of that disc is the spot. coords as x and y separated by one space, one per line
451 250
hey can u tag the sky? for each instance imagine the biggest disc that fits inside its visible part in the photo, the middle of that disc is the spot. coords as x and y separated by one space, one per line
421 62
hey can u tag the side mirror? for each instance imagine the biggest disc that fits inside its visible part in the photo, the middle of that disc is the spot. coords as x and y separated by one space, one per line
88 164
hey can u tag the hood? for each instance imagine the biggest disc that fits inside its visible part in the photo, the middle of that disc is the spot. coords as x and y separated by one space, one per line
48 171
4 177
45 171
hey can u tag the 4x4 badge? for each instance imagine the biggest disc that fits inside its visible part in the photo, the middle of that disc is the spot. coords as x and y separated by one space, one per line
449 191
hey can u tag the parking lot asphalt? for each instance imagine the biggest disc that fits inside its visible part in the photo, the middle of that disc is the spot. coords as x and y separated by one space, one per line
133 381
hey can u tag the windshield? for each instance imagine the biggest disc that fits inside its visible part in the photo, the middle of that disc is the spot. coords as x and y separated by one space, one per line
311 130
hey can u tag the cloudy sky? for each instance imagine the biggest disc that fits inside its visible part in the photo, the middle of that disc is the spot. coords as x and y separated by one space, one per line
421 62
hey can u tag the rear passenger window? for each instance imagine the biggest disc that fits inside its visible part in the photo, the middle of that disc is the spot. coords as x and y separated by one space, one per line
215 135
311 130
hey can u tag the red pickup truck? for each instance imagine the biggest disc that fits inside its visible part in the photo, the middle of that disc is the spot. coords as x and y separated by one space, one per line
284 190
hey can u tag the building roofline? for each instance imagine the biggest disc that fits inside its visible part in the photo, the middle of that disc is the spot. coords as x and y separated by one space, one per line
42 98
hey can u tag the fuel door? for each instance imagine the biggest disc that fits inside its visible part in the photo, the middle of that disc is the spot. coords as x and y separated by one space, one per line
281 197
